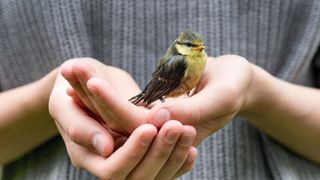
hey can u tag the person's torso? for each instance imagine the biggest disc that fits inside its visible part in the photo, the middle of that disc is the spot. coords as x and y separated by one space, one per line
37 36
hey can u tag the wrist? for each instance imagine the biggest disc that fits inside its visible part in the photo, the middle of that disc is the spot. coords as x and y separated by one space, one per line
261 92
32 99
42 88
25 120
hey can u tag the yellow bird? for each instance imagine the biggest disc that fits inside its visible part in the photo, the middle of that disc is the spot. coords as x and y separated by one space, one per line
178 71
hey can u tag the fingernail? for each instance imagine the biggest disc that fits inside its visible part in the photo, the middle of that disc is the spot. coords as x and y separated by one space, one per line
146 140
186 141
98 143
161 117
172 137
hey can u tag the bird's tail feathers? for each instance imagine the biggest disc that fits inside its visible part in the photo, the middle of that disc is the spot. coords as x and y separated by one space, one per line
138 98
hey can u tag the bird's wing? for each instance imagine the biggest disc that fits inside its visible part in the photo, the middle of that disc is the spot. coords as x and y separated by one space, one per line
166 78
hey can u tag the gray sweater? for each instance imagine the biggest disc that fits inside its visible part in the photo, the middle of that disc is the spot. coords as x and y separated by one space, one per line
280 36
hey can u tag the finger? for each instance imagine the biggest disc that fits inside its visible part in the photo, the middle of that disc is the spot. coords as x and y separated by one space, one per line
75 151
218 93
188 164
206 128
80 128
128 115
73 94
159 152
84 72
87 132
122 161
211 102
179 154
67 71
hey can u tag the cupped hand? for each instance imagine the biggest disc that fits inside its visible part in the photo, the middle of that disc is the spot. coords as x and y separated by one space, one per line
220 95
80 127
88 76
145 155
170 154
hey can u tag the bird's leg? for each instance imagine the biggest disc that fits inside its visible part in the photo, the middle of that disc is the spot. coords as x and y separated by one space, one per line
162 100
189 93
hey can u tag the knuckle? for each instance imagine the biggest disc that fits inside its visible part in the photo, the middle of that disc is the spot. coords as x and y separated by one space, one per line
73 133
190 116
85 62
196 115
80 63
162 153
68 62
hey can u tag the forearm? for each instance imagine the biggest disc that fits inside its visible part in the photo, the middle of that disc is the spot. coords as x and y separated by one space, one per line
287 112
24 119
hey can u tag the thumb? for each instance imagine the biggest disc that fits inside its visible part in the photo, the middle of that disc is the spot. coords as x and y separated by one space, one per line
85 131
180 110
75 123
209 103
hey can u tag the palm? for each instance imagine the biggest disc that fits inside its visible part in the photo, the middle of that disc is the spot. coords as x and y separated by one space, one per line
216 100
218 97
111 105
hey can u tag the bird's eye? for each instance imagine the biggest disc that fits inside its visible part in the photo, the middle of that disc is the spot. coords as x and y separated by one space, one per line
189 44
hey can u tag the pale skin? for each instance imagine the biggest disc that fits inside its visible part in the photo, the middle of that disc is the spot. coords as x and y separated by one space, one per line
230 86
146 154
25 122
234 87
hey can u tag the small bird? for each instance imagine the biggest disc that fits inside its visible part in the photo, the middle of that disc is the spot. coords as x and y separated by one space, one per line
178 71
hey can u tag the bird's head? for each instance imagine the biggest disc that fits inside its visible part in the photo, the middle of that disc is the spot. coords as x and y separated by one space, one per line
190 43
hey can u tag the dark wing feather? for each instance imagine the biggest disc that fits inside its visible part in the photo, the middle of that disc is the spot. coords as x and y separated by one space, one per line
165 79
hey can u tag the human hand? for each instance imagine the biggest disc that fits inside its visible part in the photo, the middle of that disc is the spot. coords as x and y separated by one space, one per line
220 95
177 157
119 85
145 155
81 125
81 128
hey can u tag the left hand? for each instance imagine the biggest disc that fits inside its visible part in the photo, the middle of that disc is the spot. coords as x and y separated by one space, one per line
220 95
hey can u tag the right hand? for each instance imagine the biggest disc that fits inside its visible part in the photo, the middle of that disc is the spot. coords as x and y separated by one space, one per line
119 84
86 140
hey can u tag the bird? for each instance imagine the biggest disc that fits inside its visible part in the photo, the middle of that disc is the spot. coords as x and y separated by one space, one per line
178 71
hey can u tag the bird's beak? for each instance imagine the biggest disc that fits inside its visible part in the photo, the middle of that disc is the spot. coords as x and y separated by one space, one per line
200 48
